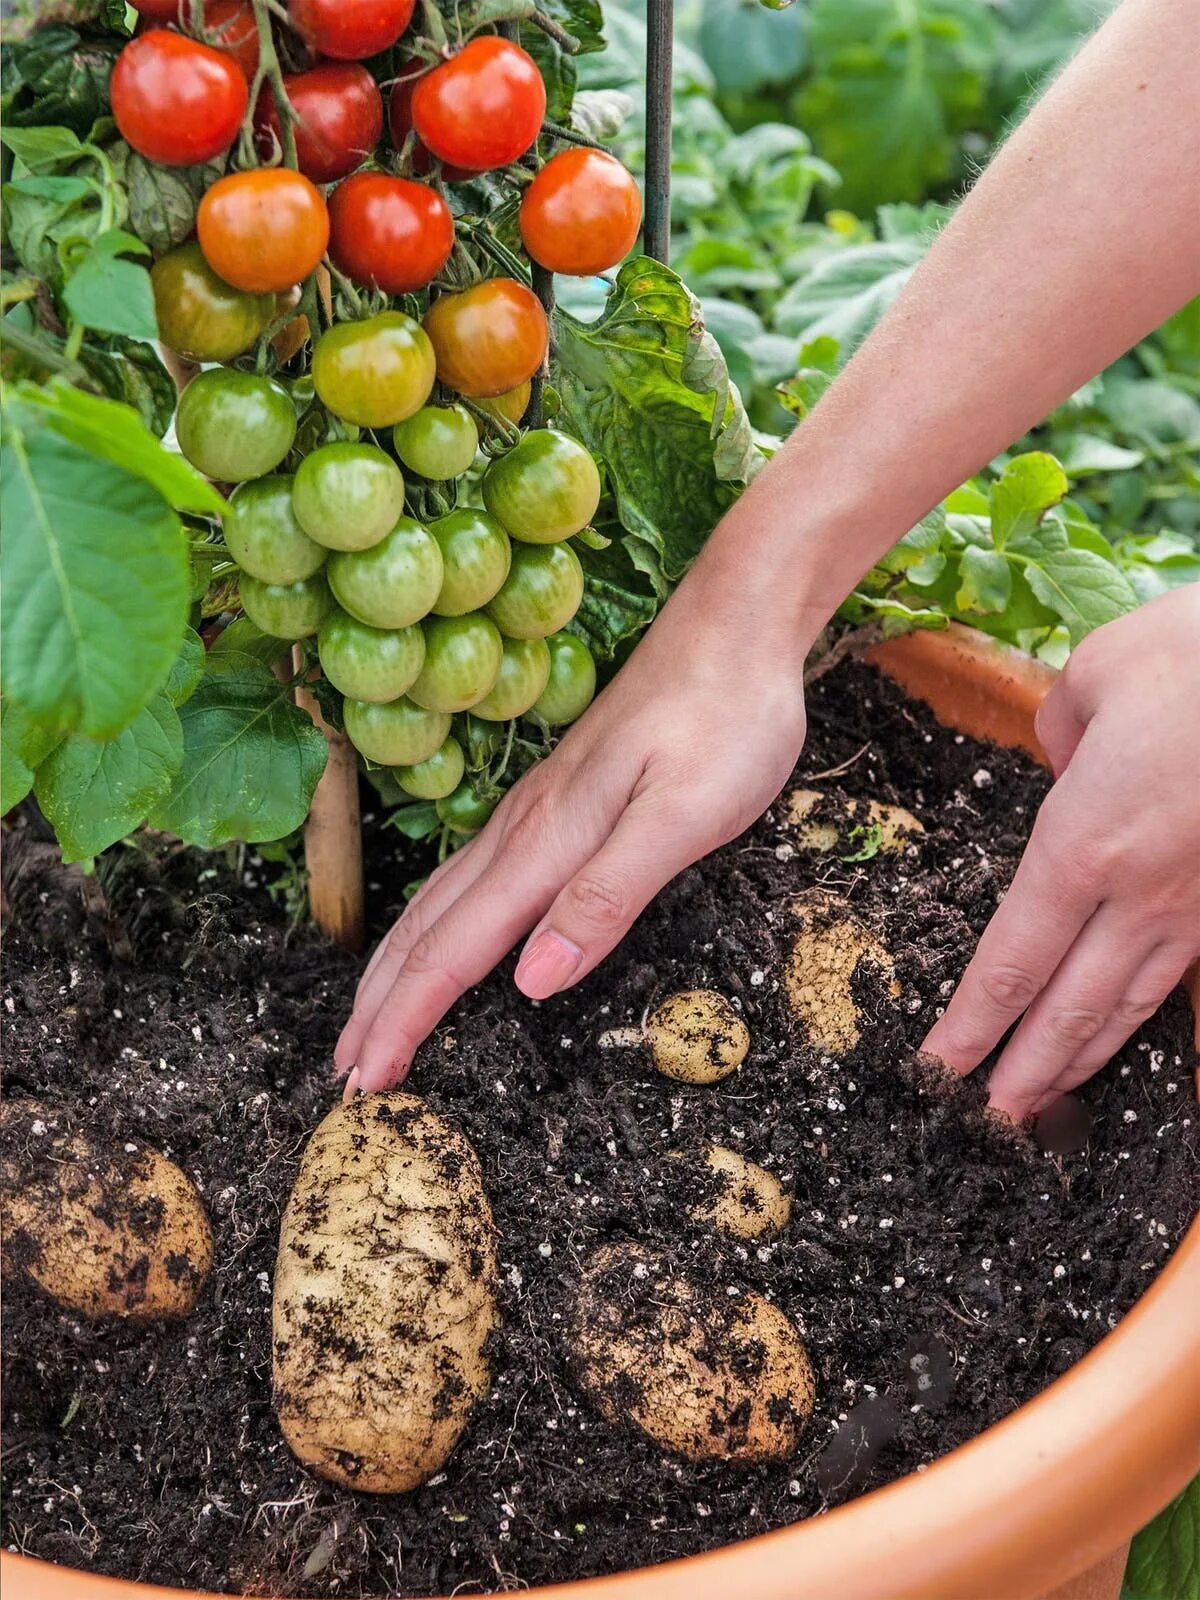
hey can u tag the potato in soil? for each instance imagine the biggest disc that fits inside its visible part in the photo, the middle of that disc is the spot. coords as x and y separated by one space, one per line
745 1202
104 1230
384 1295
697 1037
706 1373
825 822
819 980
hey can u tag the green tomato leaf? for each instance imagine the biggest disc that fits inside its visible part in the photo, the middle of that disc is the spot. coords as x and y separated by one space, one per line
647 390
251 758
40 211
1164 1561
95 793
95 581
415 820
112 295
108 429
1081 587
163 200
42 149
24 745
985 581
1021 496
242 638
60 79
186 670
129 370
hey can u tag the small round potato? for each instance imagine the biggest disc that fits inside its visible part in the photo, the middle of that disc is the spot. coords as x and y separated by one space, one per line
697 1037
707 1375
819 979
749 1202
892 827
384 1295
105 1231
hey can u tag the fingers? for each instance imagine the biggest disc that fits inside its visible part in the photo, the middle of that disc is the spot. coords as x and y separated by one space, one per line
595 910
1140 997
1052 897
1098 980
1058 726
438 891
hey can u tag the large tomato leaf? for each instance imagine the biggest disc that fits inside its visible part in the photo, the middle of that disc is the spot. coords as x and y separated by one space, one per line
95 793
24 745
647 390
251 758
95 581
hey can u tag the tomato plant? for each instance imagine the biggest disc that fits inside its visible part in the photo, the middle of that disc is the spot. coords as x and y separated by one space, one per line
541 593
400 125
488 339
264 537
366 663
571 683
234 425
582 213
481 109
377 372
350 30
176 100
339 119
263 230
476 557
396 733
437 776
395 582
200 315
545 489
389 233
439 442
348 496
287 610
462 662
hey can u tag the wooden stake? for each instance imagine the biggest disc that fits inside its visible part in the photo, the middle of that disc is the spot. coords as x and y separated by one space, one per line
333 837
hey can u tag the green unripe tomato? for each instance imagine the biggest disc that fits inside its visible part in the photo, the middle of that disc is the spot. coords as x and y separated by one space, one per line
374 664
287 610
572 684
395 582
200 315
376 372
524 673
348 496
439 442
462 662
541 593
437 777
234 425
463 811
263 536
395 734
476 556
545 489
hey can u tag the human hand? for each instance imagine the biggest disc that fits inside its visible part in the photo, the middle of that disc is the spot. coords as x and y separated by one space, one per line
1103 915
684 749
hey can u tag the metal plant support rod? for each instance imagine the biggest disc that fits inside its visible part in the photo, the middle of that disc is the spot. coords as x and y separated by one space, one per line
656 237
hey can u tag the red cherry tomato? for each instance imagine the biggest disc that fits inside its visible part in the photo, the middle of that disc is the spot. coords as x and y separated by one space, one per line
232 30
581 214
340 113
175 100
483 108
389 232
488 339
350 30
263 230
400 125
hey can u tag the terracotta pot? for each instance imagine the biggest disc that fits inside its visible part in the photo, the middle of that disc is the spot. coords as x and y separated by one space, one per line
1042 1504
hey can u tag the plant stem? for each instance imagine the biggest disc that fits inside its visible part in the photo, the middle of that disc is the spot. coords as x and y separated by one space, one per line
270 69
555 131
567 42
45 355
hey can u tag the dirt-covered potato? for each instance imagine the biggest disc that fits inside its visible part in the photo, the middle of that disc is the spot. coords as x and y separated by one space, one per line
708 1375
824 822
831 945
384 1295
105 1230
747 1201
697 1037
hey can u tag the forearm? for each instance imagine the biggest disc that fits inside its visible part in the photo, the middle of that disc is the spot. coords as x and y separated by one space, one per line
1080 238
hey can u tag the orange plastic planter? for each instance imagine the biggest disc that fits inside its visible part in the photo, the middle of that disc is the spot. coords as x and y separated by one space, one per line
1035 1506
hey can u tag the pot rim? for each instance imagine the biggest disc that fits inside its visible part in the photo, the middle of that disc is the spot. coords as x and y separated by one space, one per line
1033 1500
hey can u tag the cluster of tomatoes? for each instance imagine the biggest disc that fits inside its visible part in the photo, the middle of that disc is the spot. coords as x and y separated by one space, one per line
417 622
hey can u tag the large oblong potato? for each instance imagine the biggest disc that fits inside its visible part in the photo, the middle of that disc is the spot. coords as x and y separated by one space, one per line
707 1375
105 1231
819 980
384 1295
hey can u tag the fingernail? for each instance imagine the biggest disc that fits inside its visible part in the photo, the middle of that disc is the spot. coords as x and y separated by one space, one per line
547 964
351 1088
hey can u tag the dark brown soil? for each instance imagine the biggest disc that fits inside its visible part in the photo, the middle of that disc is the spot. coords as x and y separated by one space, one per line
941 1272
